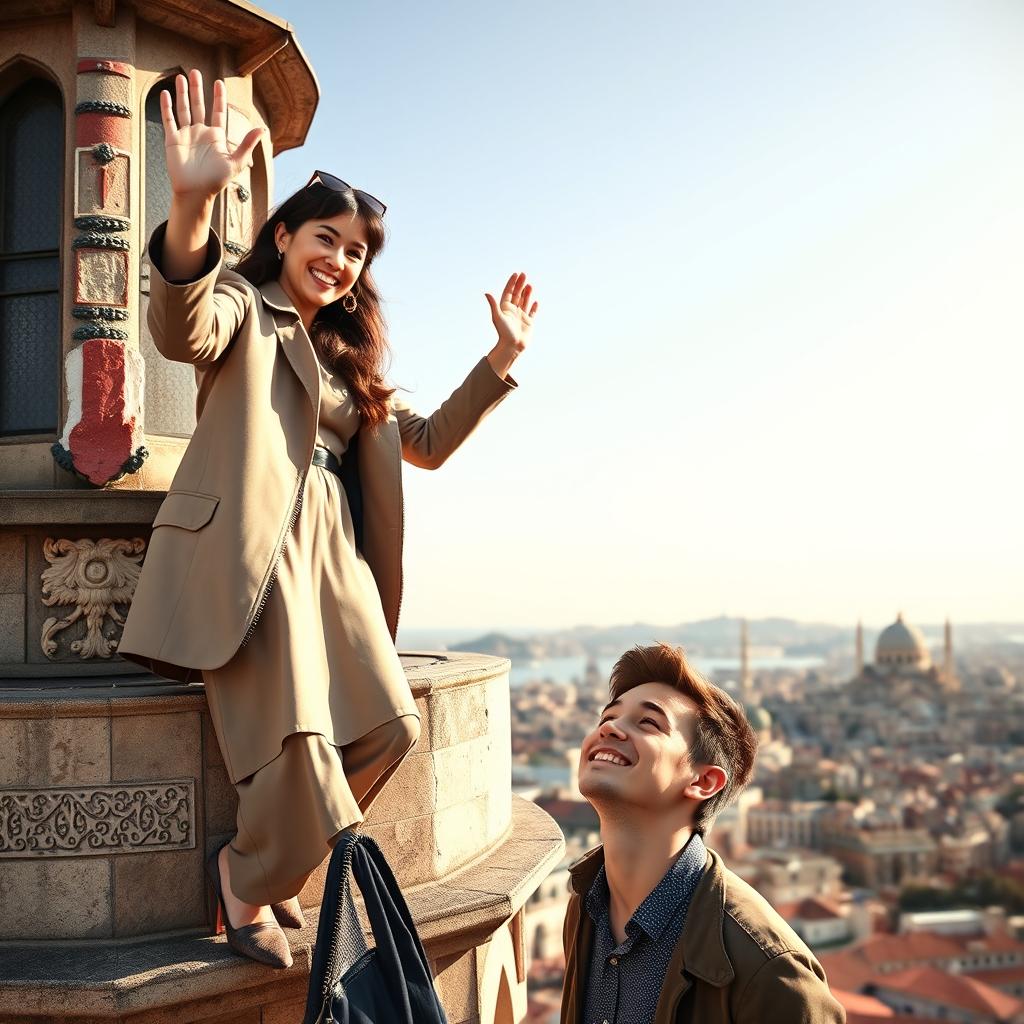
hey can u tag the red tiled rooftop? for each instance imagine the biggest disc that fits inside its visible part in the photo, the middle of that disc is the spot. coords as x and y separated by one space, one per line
954 990
846 970
813 908
868 1007
863 1018
998 975
879 950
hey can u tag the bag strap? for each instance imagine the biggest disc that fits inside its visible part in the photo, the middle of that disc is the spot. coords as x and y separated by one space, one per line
337 892
398 947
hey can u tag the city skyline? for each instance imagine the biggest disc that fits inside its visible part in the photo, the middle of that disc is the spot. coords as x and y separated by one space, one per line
777 252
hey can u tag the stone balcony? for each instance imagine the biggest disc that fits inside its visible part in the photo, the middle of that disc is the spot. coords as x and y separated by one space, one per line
112 791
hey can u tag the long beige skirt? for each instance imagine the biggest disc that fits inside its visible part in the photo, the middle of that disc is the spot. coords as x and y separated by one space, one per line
293 707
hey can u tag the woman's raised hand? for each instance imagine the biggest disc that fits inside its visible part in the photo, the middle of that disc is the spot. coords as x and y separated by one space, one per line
199 162
513 320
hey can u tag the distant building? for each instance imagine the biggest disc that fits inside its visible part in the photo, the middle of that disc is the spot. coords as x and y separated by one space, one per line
819 922
786 877
937 995
786 823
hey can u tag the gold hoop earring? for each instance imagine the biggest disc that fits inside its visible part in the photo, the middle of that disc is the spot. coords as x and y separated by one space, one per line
350 303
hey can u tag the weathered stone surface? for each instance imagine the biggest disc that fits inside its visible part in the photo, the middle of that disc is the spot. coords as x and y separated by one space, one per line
101 277
103 189
28 465
54 752
158 892
463 771
457 714
147 747
12 563
409 793
12 628
460 833
55 899
410 848
211 746
455 981
188 978
26 507
221 802
99 86
250 1016
289 1012
423 707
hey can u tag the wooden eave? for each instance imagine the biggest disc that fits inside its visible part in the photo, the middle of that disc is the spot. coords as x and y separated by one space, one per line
263 45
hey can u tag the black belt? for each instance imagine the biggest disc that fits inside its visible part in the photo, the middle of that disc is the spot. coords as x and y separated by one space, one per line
326 459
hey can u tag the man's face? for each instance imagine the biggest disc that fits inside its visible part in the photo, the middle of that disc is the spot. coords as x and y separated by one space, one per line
639 752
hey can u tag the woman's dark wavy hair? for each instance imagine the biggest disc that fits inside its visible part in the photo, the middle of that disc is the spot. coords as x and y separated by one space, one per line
352 345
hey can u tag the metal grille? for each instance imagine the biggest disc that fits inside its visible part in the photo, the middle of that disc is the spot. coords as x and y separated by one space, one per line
31 178
170 387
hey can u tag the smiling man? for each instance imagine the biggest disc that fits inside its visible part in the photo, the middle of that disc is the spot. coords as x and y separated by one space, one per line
658 930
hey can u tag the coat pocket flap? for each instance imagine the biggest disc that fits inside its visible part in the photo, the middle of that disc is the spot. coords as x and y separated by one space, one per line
186 509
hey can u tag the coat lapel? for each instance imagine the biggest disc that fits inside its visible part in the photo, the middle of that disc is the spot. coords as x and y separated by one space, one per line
294 340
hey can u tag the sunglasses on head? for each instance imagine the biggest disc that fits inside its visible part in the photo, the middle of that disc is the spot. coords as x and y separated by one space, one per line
335 183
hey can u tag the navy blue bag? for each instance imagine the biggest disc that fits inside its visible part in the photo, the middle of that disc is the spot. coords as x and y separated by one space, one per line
350 983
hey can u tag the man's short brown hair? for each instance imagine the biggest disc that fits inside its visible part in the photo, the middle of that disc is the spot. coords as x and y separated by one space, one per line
722 736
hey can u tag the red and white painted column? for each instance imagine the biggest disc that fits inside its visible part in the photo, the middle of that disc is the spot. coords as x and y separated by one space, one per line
103 435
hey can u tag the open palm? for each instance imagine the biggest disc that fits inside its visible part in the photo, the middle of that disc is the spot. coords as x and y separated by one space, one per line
513 315
199 160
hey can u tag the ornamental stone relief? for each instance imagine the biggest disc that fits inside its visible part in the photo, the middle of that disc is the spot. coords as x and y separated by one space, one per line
92 577
79 822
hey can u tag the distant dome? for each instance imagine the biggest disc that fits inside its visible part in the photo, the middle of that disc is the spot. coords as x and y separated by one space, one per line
759 719
902 646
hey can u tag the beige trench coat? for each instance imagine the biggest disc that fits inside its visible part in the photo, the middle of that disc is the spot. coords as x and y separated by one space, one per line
220 531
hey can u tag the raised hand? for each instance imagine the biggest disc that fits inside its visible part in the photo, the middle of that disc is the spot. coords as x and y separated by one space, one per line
513 316
199 161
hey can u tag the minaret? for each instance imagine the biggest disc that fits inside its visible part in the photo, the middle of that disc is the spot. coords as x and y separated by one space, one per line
746 694
948 668
860 648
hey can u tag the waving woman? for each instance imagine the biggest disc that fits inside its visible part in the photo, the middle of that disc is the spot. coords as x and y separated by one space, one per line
275 567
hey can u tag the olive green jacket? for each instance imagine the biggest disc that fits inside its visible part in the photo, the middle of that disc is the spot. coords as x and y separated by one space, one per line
736 962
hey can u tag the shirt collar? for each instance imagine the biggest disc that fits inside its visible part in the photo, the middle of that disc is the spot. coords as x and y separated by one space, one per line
663 902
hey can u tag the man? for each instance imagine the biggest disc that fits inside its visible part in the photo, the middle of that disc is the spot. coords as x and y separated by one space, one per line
658 930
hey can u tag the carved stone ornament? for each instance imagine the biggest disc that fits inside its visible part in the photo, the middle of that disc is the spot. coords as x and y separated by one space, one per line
92 576
78 821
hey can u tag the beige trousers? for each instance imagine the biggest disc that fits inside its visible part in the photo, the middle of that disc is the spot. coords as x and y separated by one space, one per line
291 811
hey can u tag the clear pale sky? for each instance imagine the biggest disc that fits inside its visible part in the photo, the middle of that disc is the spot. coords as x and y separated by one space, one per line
779 250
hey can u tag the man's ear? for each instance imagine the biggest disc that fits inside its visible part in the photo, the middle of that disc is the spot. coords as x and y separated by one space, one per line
710 780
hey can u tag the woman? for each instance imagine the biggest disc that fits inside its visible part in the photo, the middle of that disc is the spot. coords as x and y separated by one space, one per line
264 575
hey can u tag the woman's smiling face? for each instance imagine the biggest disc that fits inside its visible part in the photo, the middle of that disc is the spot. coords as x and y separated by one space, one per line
321 261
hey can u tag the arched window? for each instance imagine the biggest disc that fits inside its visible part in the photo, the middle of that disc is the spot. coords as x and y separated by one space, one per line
170 387
31 191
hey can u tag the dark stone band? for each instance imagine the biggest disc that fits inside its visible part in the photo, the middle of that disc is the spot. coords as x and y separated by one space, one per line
103 107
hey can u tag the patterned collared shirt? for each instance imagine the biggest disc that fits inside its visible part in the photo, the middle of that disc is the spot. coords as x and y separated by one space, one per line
624 981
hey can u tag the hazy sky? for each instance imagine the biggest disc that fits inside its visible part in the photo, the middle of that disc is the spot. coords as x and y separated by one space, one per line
778 248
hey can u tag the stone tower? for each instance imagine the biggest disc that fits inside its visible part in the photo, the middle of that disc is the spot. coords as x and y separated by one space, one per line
112 789
948 663
746 686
